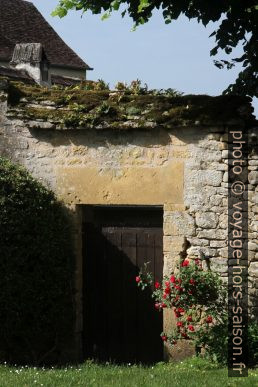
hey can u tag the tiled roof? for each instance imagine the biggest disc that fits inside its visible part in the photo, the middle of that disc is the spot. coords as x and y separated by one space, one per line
21 22
63 81
15 75
20 75
6 46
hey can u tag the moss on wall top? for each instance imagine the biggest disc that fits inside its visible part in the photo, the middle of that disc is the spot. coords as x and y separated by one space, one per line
77 107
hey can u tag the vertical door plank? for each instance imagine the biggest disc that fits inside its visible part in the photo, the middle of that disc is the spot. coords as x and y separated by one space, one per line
98 284
94 323
114 288
129 293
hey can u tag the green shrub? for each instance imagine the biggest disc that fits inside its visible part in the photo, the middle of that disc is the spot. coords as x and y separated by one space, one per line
36 265
196 296
216 343
253 344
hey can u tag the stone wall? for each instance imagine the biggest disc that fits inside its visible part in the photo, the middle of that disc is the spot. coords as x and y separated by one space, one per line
179 163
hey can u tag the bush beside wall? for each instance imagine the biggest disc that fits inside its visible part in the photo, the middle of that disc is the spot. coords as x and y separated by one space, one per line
36 265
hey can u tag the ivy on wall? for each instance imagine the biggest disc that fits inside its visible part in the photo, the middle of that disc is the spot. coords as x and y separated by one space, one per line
36 266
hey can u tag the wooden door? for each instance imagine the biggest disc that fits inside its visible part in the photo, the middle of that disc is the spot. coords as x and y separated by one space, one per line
120 321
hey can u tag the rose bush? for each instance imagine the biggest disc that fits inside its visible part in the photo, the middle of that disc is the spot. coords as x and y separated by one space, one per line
197 297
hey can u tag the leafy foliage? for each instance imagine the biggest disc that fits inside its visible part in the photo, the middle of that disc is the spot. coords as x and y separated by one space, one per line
36 267
216 343
197 298
238 24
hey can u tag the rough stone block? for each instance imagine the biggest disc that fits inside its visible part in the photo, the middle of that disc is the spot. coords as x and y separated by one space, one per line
206 220
253 246
201 178
180 223
253 269
253 177
213 234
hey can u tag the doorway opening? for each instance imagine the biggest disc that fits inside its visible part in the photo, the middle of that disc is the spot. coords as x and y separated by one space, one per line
120 322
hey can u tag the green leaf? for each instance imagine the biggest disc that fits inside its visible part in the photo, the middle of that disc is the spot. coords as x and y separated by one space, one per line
59 11
143 4
115 5
105 16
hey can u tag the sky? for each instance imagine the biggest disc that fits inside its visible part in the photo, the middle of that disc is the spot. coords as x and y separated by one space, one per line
163 56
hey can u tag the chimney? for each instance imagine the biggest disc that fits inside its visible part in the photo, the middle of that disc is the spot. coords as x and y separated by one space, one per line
31 57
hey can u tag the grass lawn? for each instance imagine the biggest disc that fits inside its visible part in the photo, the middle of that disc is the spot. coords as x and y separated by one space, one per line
192 372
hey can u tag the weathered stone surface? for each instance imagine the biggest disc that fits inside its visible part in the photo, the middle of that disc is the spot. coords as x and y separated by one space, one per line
199 179
207 251
253 162
211 234
216 200
179 223
225 154
253 177
198 242
253 246
206 220
216 243
219 264
253 269
40 125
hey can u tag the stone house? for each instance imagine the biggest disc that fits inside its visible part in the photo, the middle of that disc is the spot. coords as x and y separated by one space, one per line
22 24
145 178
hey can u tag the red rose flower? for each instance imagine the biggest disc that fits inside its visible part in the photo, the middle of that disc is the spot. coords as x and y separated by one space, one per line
192 281
189 318
163 305
164 296
180 310
209 319
179 324
191 328
157 305
157 285
138 279
184 335
185 263
167 284
173 279
197 261
164 337
167 290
